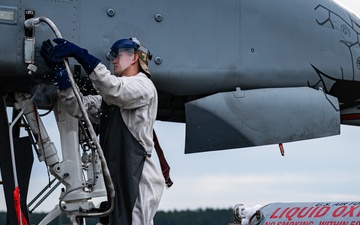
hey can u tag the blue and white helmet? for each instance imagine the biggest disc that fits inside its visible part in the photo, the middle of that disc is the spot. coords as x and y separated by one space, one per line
133 44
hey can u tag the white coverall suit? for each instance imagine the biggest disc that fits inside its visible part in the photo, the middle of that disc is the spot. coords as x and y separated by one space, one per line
137 99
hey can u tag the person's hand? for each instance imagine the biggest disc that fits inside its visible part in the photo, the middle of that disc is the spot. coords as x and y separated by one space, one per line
46 53
57 65
65 48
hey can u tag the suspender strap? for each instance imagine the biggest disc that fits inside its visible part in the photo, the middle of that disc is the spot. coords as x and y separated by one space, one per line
165 168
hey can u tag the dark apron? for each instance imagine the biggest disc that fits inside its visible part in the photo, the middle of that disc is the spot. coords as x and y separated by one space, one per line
125 157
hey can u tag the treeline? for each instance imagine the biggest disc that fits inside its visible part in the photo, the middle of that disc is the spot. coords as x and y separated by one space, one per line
187 217
197 217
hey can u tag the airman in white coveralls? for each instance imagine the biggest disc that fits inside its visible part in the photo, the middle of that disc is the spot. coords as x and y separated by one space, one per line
132 98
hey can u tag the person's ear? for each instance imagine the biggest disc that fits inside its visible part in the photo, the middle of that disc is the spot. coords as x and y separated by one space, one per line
136 57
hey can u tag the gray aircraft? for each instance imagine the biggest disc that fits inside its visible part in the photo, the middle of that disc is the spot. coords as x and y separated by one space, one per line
239 73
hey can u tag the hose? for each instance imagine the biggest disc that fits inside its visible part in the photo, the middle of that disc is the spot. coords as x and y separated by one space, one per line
33 22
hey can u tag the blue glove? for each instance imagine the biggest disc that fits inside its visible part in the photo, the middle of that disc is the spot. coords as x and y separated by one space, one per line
65 48
56 65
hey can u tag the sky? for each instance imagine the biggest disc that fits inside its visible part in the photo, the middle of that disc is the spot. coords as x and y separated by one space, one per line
319 170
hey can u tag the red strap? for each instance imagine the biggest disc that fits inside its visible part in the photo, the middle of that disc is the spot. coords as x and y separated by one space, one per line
18 207
165 168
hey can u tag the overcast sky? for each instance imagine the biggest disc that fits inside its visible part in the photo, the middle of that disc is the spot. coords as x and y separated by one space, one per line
324 169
